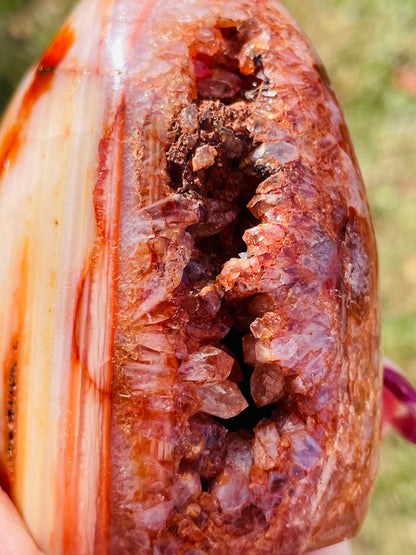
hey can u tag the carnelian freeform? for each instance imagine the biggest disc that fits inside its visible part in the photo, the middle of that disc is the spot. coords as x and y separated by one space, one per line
189 308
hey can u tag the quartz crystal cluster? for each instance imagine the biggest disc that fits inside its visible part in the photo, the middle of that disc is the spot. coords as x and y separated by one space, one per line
200 334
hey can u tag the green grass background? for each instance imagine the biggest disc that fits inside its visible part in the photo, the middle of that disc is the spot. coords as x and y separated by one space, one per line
366 45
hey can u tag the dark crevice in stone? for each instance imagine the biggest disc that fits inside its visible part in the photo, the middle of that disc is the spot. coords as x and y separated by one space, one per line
218 76
252 415
11 414
209 160
222 181
205 484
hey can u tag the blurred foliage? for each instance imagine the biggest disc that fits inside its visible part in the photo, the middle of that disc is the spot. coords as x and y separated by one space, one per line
369 49
26 28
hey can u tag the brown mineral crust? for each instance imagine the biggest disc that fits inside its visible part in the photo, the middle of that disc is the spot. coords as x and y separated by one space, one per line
246 230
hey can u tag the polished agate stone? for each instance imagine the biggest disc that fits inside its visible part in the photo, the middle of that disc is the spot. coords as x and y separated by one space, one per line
194 302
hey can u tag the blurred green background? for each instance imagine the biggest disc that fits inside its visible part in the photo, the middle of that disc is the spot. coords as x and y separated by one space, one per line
369 49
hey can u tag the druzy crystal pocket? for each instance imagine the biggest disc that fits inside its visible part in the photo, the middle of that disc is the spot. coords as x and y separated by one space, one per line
189 313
